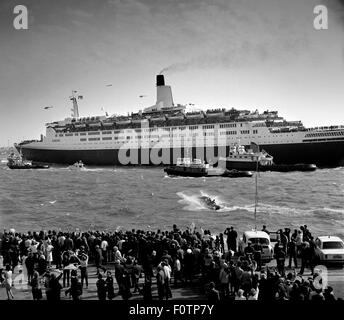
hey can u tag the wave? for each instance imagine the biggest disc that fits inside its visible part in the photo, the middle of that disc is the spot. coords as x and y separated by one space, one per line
180 177
73 169
340 211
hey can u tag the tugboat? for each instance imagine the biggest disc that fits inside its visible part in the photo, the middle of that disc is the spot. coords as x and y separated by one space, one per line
17 162
187 167
253 159
210 203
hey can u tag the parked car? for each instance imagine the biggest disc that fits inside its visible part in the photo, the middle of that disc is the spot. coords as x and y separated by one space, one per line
329 250
260 237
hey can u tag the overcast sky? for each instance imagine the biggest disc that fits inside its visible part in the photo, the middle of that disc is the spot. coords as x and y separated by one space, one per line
246 54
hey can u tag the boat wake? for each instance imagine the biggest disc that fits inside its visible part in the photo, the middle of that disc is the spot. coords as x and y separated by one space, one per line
183 178
71 168
195 202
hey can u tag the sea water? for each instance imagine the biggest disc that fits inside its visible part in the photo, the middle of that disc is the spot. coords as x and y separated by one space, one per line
108 198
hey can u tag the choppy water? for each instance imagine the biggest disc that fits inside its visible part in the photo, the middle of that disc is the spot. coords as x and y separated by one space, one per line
108 198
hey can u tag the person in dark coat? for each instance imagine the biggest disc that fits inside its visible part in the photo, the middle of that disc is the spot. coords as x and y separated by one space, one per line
75 289
42 265
257 255
36 287
231 239
265 230
280 259
66 271
109 285
125 289
249 251
147 291
101 288
213 294
160 281
54 287
136 275
149 264
188 266
68 243
292 252
30 264
166 256
119 270
328 294
306 257
98 259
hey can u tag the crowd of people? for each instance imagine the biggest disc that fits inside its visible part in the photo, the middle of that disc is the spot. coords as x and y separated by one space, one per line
59 262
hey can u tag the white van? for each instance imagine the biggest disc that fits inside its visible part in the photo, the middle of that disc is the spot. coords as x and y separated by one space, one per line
260 237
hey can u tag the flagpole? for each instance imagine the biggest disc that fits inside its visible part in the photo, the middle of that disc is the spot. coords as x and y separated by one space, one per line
256 194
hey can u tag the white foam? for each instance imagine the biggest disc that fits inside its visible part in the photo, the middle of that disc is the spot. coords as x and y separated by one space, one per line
341 211
192 202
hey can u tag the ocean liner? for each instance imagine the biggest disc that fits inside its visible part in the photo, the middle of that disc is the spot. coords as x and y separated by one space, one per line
164 132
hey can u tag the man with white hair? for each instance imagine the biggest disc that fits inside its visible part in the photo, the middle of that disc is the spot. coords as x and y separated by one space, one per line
33 246
117 254
188 265
104 246
240 295
177 270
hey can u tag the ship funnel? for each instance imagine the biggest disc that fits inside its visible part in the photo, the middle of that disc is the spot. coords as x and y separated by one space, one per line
160 80
163 96
163 93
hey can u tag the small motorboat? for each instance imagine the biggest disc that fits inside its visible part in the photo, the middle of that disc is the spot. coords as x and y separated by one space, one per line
210 203
79 165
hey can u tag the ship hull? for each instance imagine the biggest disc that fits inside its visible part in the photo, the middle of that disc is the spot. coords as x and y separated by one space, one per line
329 154
186 172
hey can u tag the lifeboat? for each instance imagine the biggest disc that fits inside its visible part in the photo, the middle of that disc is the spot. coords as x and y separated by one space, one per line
176 116
79 125
121 121
158 118
138 120
108 124
195 115
214 113
94 125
